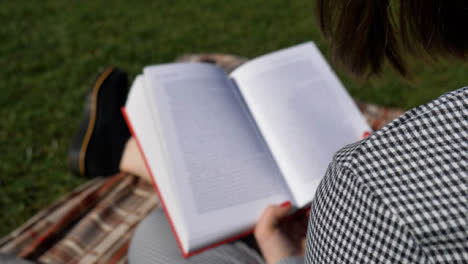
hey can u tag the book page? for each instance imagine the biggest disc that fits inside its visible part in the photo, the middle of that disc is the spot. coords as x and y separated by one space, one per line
303 112
144 129
218 160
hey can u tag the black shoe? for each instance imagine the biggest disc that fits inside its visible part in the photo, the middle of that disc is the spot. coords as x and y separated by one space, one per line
99 142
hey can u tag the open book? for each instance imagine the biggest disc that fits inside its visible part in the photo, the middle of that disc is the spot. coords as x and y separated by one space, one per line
221 148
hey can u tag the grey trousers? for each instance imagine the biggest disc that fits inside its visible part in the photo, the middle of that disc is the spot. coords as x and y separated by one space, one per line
154 242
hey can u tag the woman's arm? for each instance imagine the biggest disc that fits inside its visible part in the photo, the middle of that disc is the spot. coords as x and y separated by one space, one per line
350 224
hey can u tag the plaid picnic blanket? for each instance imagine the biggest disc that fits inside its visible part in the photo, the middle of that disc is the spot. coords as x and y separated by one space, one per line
94 223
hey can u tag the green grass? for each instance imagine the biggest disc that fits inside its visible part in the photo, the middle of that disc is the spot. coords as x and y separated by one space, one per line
50 52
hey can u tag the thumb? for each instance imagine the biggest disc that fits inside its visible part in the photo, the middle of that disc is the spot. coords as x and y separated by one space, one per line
272 216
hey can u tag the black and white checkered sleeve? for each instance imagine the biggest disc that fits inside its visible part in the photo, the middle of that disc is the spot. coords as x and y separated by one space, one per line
399 196
349 224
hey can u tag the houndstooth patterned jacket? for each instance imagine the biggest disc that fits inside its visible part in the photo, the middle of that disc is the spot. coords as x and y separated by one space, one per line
400 195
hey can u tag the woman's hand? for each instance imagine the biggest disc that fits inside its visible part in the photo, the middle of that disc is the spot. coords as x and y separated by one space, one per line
279 235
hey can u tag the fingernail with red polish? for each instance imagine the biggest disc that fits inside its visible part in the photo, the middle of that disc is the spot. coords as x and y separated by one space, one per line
366 134
286 204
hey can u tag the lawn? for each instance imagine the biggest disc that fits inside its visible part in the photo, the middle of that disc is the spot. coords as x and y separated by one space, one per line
51 50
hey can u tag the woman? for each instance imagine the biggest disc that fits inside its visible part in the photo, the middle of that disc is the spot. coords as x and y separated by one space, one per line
398 196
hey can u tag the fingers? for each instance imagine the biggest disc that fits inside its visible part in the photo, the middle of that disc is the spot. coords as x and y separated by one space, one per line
270 218
274 213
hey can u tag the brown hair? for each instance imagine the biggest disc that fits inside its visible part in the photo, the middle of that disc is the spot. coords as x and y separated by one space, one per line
365 33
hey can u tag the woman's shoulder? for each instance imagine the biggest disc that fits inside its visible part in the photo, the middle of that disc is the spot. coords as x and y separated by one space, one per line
418 126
